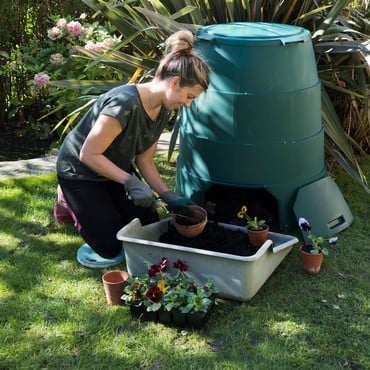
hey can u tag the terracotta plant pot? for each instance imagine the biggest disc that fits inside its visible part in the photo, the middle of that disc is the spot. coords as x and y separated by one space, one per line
114 283
258 237
311 262
190 222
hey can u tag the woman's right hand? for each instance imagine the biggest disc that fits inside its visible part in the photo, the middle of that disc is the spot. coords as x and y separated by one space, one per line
141 194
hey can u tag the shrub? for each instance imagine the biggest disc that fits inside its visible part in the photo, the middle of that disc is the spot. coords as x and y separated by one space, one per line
43 62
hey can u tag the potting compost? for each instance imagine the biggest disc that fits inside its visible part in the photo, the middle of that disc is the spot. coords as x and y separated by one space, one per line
214 238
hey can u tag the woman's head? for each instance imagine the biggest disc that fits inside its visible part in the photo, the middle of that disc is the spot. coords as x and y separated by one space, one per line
181 61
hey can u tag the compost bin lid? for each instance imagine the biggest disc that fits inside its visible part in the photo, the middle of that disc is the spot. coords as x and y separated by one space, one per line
247 32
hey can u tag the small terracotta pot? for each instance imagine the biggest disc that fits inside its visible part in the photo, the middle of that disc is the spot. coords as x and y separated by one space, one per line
197 221
258 237
114 282
311 262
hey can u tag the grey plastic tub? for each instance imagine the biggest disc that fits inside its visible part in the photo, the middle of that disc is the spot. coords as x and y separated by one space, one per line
237 277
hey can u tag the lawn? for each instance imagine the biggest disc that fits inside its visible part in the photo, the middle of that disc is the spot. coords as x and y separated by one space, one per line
54 315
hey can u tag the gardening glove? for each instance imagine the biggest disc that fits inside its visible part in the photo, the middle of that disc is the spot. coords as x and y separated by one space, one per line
173 200
139 192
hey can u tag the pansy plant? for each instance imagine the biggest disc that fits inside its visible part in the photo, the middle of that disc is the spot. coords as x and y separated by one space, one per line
252 223
161 289
317 242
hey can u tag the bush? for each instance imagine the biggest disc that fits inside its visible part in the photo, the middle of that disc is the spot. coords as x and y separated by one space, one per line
54 58
22 21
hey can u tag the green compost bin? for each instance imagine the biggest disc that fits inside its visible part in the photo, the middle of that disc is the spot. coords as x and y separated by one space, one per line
258 126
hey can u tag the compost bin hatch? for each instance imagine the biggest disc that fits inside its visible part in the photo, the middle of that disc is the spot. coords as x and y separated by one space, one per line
223 204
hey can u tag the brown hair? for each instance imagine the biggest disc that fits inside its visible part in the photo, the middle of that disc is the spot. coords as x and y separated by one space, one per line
182 61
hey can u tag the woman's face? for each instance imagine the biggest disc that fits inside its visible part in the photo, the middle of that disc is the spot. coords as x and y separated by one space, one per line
177 97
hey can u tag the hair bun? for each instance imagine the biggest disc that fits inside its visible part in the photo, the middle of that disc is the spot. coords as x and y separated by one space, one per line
181 41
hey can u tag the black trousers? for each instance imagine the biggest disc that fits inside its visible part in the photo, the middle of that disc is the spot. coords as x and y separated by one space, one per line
102 209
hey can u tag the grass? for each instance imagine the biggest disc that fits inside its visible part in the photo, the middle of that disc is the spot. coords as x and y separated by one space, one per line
53 313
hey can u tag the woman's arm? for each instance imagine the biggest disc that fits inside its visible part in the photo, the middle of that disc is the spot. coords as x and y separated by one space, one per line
105 130
149 171
100 137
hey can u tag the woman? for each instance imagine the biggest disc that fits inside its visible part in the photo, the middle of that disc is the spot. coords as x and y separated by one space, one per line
95 163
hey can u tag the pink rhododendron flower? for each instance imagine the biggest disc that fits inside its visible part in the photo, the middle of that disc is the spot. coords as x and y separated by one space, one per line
55 33
41 80
100 45
74 28
90 45
56 59
62 23
107 43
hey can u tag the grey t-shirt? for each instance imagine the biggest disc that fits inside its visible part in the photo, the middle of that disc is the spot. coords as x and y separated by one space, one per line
139 133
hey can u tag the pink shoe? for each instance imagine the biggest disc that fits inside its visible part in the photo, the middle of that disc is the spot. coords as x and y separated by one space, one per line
63 212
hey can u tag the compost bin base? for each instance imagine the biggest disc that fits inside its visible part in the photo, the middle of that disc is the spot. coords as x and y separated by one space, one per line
214 238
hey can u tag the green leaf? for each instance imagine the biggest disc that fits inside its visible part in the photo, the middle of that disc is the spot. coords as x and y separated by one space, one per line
330 18
154 307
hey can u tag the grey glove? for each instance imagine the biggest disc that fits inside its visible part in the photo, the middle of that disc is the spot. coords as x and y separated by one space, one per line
173 200
139 192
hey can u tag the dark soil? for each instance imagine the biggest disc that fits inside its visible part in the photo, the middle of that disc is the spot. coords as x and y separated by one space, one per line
15 145
307 248
188 217
213 238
